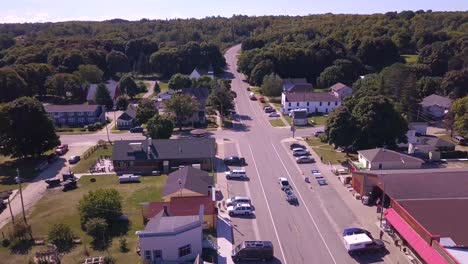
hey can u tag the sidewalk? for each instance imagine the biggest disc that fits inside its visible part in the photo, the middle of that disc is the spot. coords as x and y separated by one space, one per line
286 124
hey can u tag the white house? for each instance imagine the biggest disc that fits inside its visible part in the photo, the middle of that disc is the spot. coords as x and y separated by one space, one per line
168 238
197 73
426 144
313 102
416 129
436 105
385 159
341 90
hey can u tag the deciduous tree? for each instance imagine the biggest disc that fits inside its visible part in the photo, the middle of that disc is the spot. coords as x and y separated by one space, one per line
90 73
181 107
179 81
221 98
61 235
65 85
128 85
160 127
272 85
102 203
102 96
122 102
146 110
12 85
341 128
117 62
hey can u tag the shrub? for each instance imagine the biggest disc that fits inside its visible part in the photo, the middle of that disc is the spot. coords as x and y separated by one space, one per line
456 154
61 236
92 127
102 203
109 260
123 244
97 228
98 125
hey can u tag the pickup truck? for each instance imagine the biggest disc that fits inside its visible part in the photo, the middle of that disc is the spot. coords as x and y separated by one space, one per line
358 244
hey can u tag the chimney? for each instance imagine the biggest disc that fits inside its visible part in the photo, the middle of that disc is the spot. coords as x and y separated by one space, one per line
201 212
166 211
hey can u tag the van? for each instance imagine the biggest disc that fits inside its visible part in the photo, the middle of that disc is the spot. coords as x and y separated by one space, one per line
459 140
236 174
237 199
253 250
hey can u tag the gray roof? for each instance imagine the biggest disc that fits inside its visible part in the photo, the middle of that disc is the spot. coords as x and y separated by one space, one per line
299 114
296 84
201 93
435 142
339 86
190 178
386 155
202 72
311 97
129 114
111 86
70 108
435 99
170 225
192 148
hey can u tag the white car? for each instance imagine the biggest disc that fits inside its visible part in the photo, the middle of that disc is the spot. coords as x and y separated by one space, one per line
284 183
300 153
237 200
274 114
240 209
236 174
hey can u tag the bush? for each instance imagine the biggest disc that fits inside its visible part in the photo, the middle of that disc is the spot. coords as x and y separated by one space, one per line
123 245
5 242
91 127
21 230
109 260
97 228
102 203
456 154
61 236
323 138
98 125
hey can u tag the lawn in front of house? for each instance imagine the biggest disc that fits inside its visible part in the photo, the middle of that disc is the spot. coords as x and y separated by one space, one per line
327 152
318 120
277 122
87 161
61 207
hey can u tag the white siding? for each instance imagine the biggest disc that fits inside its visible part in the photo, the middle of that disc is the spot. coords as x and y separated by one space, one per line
312 107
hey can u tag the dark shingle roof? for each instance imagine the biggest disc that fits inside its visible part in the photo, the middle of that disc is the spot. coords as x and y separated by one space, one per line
70 108
171 225
192 148
311 97
386 155
435 142
129 114
435 99
111 86
190 178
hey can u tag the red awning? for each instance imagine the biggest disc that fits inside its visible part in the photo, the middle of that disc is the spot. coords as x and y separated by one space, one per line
424 250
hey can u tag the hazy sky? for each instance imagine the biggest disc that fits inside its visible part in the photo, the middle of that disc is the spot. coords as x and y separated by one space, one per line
62 10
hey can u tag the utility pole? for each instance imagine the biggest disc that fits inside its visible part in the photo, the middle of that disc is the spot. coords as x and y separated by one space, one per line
18 180
11 212
382 207
107 130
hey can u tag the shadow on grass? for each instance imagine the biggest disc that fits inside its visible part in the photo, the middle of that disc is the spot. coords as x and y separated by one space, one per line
22 247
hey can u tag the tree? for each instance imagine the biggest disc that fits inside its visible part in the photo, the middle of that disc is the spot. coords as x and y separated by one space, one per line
455 84
6 41
263 68
165 61
97 228
181 107
90 73
29 130
272 85
65 85
378 52
61 235
122 102
428 85
340 128
459 111
35 75
221 98
330 76
160 127
102 203
202 82
179 81
117 62
12 86
102 96
146 110
128 85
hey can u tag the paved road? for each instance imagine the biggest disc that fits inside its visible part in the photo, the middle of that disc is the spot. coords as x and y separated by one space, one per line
307 233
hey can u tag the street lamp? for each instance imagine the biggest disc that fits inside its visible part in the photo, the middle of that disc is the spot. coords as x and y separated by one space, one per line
18 180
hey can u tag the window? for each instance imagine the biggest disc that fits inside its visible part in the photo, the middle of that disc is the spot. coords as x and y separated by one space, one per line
336 103
380 166
289 104
307 103
320 104
185 250
297 104
328 103
147 255
157 254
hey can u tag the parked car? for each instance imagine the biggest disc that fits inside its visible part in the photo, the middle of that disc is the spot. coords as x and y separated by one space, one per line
236 174
74 159
262 99
284 183
69 185
356 230
300 153
237 199
129 179
269 110
253 251
296 146
61 149
459 140
136 129
274 114
318 133
304 159
234 160
240 209
358 244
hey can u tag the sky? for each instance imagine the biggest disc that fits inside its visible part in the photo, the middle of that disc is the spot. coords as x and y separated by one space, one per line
13 11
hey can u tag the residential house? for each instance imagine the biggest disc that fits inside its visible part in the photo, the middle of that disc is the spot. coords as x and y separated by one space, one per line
111 85
415 130
76 115
299 85
341 90
187 181
127 119
145 156
184 206
313 102
168 238
166 95
426 208
385 159
201 96
299 117
198 72
435 105
423 145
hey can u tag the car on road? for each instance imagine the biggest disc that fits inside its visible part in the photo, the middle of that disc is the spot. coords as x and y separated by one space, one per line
319 132
61 149
236 174
138 129
322 181
296 146
253 251
74 159
240 209
284 183
304 159
300 153
234 160
359 244
355 230
237 200
274 114
290 197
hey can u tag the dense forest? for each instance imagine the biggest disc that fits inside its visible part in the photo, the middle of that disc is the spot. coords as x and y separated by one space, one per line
45 58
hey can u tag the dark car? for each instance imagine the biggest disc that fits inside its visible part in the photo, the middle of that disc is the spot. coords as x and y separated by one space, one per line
269 110
136 130
356 230
254 251
234 160
296 145
74 159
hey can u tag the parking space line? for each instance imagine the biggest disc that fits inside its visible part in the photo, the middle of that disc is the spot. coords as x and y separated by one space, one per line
305 205
268 207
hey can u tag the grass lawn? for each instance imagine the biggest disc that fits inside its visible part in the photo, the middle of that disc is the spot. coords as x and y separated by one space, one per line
163 86
60 207
85 163
277 122
326 151
318 120
410 59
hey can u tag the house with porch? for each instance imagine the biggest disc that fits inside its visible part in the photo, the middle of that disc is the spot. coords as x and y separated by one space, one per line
76 115
312 102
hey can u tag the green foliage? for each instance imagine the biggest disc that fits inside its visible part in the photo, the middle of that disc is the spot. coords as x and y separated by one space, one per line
146 110
6 41
221 97
428 85
97 228
128 86
459 111
117 62
26 129
340 128
263 68
122 102
378 52
179 81
182 107
272 85
123 247
21 230
102 96
252 43
65 85
35 76
61 235
160 127
202 82
455 84
102 203
12 86
90 73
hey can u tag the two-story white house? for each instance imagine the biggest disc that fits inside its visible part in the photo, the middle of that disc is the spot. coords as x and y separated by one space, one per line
341 90
313 102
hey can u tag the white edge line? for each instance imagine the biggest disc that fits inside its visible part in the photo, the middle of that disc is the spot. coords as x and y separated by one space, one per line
305 205
268 207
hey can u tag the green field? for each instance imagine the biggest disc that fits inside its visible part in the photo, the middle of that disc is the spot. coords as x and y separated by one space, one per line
61 207
318 120
326 151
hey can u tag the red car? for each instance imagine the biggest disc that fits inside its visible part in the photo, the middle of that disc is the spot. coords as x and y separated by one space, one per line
62 149
261 99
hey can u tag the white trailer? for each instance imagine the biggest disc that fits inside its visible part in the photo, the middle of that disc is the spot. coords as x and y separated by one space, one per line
362 244
129 178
